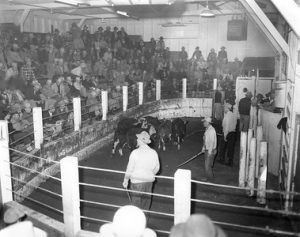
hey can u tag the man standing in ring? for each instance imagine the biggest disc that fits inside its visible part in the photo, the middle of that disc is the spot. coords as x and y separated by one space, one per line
209 147
142 167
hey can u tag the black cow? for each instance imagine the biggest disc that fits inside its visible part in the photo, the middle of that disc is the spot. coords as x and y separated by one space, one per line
178 131
164 133
123 135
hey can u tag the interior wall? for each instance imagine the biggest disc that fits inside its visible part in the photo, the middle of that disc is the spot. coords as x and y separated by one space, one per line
206 33
41 21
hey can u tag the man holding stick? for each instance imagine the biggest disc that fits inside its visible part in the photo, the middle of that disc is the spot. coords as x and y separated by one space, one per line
142 167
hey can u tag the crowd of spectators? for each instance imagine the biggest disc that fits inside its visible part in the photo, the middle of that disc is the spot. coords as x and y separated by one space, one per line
48 70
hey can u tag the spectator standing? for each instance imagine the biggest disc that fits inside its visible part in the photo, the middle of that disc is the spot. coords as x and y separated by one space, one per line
141 169
244 111
229 126
209 147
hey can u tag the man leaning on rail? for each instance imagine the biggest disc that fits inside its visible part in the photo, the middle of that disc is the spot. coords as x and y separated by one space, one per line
142 166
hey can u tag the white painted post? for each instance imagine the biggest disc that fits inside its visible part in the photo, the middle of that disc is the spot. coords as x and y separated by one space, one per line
141 93
104 101
251 172
243 155
77 113
259 117
249 136
158 89
125 97
215 85
70 195
263 170
5 173
182 195
259 137
38 127
183 88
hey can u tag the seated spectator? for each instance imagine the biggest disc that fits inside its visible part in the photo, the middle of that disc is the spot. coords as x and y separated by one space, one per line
12 71
160 45
27 72
198 225
93 105
128 221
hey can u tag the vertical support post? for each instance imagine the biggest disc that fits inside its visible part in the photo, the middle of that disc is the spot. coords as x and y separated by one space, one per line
104 101
249 136
38 127
182 195
141 93
77 113
251 172
5 173
259 117
215 85
125 97
243 155
263 170
259 137
158 89
70 195
183 88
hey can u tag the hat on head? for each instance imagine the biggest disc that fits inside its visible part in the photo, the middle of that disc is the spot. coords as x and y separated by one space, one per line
12 215
198 225
206 119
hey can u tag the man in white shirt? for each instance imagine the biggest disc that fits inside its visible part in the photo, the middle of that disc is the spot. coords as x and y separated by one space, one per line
142 167
209 147
229 127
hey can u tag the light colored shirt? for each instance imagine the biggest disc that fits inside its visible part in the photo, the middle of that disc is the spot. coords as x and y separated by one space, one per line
143 165
210 139
229 123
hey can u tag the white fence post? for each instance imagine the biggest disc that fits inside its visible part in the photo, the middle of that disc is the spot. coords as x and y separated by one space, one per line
251 172
250 135
215 84
5 173
243 155
158 89
104 101
263 170
70 195
125 97
77 113
182 195
259 137
38 127
141 92
184 88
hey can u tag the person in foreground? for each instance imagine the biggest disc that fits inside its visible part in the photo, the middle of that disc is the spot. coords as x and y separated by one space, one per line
197 225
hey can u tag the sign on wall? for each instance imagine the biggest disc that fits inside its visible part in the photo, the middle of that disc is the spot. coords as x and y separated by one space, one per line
237 30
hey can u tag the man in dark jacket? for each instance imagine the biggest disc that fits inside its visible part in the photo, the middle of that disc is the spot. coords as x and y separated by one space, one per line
244 110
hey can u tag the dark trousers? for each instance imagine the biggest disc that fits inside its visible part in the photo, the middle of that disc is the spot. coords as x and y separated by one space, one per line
209 164
228 148
142 201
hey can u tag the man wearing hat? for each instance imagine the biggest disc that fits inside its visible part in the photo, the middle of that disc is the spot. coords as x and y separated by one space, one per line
209 147
141 169
244 110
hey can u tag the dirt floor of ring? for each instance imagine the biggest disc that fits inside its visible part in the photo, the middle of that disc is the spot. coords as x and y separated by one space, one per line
169 161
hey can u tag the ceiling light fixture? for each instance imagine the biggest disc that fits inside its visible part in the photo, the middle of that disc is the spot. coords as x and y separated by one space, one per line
206 12
122 13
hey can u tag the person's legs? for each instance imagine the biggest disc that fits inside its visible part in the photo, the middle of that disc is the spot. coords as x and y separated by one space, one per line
146 199
230 147
136 198
209 162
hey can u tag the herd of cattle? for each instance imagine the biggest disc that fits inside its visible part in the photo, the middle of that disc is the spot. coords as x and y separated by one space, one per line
160 131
